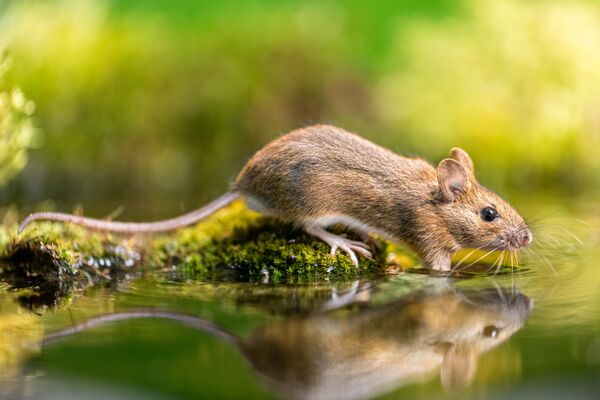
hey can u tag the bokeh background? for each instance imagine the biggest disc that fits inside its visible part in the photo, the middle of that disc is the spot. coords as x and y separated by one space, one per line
153 106
143 109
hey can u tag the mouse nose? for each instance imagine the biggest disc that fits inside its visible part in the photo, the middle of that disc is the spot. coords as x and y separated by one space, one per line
526 238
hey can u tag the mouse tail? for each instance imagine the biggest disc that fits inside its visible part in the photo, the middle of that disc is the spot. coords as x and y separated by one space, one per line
185 319
135 227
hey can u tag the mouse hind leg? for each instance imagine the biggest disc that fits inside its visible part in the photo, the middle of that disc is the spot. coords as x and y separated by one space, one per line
316 227
338 242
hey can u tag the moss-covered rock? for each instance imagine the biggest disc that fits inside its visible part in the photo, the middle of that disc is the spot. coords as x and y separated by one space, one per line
267 250
233 244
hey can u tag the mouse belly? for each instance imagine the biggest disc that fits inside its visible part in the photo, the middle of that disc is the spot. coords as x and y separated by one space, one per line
344 220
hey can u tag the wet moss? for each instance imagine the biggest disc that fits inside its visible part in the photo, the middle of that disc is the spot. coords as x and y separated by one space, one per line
40 267
54 260
233 244
245 246
271 252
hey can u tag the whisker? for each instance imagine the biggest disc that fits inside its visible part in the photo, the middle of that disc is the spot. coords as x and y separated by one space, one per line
480 258
465 257
499 264
547 262
512 278
498 260
498 290
573 236
493 265
544 238
549 241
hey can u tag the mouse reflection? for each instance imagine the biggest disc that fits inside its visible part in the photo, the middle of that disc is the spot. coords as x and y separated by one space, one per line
365 353
380 349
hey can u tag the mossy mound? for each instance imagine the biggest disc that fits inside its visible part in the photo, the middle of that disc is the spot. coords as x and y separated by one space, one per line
270 251
241 245
55 260
233 244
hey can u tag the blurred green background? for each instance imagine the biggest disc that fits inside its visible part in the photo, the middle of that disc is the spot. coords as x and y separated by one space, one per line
155 105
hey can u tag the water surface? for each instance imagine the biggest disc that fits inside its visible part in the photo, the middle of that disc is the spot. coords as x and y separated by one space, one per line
533 333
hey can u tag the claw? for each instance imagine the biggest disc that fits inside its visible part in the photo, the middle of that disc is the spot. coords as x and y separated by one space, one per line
339 242
351 254
364 252
358 244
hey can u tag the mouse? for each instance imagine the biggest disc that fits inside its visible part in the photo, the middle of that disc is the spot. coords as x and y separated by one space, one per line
320 176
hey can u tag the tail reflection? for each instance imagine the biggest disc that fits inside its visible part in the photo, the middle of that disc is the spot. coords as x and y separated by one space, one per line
370 352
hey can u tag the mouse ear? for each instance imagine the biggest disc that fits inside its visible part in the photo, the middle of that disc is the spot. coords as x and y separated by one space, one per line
452 178
463 158
458 367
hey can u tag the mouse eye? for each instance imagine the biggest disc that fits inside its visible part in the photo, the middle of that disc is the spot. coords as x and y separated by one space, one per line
491 331
489 214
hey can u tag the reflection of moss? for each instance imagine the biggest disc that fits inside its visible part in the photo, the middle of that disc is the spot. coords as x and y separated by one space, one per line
20 335
232 244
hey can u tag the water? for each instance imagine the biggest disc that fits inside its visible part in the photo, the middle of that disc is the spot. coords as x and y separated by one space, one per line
531 334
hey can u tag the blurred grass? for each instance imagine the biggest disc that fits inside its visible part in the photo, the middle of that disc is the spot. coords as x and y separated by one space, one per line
156 105
520 96
17 132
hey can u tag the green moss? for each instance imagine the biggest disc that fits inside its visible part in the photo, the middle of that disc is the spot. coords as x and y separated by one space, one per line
244 246
55 259
233 244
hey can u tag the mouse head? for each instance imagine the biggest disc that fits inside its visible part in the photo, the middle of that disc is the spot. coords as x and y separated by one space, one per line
474 215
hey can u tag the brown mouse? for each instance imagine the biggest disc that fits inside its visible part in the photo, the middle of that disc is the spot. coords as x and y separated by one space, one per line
321 175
